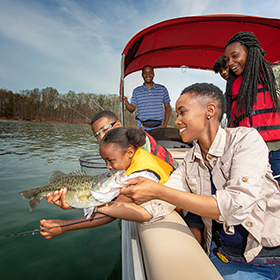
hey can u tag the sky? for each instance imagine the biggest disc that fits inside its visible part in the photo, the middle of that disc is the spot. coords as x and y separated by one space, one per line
77 44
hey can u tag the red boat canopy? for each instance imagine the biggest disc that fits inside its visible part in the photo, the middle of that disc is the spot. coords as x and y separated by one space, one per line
196 42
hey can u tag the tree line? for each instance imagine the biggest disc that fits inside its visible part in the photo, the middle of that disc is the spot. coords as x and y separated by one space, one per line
49 105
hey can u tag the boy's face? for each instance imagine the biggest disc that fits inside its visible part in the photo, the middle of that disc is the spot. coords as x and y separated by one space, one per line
102 125
224 72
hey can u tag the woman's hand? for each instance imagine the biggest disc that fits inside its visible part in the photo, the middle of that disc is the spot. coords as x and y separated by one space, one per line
141 190
59 198
53 232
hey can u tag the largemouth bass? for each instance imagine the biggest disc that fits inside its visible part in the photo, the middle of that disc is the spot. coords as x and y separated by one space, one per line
82 191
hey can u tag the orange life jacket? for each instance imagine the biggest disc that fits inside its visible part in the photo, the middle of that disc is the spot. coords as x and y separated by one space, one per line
145 161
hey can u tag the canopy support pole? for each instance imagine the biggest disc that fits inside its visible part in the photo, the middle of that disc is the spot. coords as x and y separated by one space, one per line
122 88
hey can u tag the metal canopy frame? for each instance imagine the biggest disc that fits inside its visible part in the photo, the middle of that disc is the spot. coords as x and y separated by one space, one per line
194 42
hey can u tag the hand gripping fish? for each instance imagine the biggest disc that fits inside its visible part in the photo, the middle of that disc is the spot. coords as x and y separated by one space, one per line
82 191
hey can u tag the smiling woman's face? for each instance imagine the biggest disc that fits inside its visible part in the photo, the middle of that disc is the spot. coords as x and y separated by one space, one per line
236 57
192 117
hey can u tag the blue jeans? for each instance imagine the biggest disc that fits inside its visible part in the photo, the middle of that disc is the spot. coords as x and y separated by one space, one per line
274 160
235 270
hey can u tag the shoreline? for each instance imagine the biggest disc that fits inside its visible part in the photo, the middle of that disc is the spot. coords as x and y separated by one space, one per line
48 121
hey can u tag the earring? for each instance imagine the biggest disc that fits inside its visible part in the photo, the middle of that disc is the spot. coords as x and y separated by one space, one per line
208 117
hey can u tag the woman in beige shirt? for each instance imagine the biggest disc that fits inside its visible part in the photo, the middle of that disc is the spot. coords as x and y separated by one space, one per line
227 181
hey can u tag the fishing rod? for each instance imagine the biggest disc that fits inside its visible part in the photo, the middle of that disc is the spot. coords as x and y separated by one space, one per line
80 114
36 231
84 115
76 110
98 105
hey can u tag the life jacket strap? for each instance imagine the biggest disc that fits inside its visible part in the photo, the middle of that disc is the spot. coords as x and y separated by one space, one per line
269 127
255 113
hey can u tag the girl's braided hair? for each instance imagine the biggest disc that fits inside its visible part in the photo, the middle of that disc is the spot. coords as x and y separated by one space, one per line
124 137
257 69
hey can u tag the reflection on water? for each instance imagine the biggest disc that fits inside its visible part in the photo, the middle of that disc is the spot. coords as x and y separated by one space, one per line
29 151
45 140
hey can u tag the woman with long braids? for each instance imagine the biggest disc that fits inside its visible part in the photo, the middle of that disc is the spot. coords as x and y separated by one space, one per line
251 93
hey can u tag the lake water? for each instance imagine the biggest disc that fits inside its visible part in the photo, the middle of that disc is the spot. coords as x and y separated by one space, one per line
29 152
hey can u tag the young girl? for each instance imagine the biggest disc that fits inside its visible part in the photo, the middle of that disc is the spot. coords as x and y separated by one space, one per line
251 92
120 149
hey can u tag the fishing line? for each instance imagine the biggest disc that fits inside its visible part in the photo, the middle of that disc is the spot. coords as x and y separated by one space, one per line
88 251
98 105
36 231
84 115
75 109
80 113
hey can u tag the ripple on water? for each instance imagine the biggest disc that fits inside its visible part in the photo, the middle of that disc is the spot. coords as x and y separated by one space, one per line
29 152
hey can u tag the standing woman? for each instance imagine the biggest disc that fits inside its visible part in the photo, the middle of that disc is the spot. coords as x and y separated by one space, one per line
251 93
227 181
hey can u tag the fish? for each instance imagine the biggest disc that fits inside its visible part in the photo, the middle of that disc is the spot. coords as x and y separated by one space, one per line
82 191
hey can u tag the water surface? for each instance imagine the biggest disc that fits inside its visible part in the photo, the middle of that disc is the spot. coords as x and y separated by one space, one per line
29 152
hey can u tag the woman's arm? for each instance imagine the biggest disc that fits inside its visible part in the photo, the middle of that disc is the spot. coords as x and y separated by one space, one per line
143 190
243 189
125 211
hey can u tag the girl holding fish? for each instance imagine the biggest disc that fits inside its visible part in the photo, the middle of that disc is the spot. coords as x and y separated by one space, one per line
120 148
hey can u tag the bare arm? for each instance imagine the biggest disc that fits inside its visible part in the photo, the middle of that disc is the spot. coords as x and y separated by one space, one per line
54 232
130 107
59 198
167 112
125 211
143 190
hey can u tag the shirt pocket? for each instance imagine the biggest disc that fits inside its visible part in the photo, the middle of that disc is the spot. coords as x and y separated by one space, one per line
225 169
262 204
192 184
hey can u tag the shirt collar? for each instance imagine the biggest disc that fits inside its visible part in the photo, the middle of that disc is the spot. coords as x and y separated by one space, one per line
153 86
217 147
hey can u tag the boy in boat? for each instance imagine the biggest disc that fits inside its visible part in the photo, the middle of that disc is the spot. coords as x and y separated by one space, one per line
106 120
221 67
149 98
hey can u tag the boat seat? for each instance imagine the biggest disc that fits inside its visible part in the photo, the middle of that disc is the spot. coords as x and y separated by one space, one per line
170 251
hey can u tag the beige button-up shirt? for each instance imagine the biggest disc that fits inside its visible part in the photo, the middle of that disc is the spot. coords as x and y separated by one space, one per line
246 192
